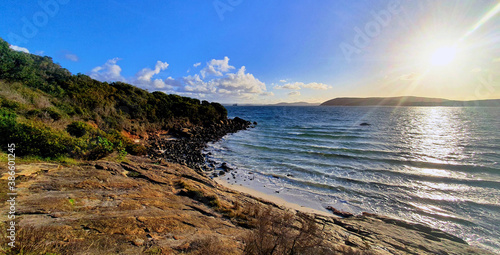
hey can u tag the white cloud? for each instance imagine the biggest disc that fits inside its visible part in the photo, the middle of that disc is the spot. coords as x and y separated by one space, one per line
216 67
193 83
240 83
71 57
172 82
293 86
316 85
110 71
410 77
17 48
197 64
282 81
267 94
160 84
294 93
40 52
146 74
300 85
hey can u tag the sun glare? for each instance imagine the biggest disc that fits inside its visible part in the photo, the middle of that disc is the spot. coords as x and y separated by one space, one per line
443 56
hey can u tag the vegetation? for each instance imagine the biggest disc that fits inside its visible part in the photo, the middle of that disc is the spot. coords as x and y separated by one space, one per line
285 233
50 113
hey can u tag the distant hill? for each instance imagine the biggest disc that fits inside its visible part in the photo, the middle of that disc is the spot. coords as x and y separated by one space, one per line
407 101
296 104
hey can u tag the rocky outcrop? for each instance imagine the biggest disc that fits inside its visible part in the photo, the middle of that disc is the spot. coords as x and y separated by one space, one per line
142 207
184 145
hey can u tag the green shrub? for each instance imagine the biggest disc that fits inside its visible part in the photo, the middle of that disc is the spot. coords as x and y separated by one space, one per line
34 139
10 104
101 148
78 128
136 149
46 113
7 114
53 113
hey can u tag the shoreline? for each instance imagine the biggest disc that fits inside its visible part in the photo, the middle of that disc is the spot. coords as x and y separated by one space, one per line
271 198
141 206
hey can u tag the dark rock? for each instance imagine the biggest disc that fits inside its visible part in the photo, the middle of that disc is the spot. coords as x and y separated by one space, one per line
339 213
186 145
225 167
275 176
365 124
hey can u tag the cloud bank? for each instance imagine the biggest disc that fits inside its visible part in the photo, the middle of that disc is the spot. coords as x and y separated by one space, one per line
300 85
216 80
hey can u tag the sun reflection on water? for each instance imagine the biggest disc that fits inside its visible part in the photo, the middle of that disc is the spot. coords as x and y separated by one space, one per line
435 135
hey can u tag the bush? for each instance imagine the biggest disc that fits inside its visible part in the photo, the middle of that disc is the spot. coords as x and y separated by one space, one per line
78 128
210 245
34 139
53 113
46 113
6 103
136 149
102 148
285 233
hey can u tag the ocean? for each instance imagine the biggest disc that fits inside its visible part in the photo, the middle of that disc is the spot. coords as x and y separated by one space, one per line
438 166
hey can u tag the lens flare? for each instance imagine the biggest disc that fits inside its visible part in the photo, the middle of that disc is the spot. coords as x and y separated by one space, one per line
483 20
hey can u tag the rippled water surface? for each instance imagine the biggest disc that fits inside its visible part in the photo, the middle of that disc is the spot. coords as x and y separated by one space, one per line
434 165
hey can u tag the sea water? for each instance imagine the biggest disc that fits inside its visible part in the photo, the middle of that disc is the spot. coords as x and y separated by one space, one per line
437 166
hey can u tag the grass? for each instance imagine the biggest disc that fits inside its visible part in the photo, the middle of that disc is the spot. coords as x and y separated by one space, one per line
64 160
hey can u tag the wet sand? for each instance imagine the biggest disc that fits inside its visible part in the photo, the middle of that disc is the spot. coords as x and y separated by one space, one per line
271 198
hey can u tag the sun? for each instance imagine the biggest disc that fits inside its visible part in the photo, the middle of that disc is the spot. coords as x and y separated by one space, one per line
443 56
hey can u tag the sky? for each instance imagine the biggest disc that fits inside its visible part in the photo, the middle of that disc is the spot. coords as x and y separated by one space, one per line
242 51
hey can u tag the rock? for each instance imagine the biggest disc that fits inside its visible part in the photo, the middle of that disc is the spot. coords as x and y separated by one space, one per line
365 124
99 166
339 213
225 167
275 176
185 145
138 242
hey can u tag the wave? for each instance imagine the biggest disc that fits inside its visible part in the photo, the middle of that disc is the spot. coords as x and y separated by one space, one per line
404 157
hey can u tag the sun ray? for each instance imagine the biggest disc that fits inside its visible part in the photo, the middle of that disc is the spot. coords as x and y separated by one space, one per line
482 21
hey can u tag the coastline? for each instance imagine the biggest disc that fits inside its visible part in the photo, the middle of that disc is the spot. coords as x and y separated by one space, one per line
271 198
143 206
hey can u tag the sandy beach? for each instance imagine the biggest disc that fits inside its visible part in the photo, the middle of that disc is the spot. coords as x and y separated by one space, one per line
271 198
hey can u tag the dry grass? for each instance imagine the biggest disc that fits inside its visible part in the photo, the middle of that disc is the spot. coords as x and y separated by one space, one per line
8 91
279 232
210 245
47 240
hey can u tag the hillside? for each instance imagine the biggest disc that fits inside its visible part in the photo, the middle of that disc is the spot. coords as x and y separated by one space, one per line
68 115
295 104
407 101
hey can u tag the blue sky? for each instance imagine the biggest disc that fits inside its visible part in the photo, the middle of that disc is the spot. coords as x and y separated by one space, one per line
270 51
